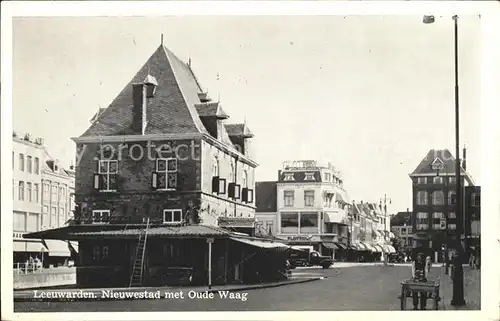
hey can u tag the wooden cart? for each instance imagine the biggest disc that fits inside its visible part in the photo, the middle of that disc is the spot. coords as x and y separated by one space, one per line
411 287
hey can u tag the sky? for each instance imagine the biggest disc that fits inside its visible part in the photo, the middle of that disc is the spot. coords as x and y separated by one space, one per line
370 94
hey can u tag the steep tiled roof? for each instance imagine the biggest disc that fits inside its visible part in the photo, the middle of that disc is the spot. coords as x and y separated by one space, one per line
266 196
238 130
441 154
211 110
97 115
171 110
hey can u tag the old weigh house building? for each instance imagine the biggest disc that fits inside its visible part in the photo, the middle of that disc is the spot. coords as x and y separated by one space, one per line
165 190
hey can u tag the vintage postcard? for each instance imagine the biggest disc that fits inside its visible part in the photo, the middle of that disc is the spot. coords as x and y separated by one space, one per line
246 160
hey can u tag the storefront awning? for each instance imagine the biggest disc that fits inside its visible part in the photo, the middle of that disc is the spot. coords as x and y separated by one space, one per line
391 235
330 246
361 246
260 244
380 232
334 217
367 246
389 249
73 245
377 249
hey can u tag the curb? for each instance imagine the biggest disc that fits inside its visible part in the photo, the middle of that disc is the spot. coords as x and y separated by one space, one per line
236 289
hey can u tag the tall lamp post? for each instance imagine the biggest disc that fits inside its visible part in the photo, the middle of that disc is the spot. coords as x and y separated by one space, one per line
458 279
386 232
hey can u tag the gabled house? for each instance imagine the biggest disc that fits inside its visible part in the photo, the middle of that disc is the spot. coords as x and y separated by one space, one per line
160 179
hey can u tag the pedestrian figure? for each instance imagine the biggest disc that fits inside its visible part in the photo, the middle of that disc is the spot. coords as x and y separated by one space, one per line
428 263
419 274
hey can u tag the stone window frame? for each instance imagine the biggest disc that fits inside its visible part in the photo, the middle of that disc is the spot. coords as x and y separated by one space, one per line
107 172
97 216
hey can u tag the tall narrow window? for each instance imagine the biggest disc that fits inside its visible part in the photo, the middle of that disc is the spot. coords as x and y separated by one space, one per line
215 167
29 164
21 162
438 180
36 191
21 191
422 221
28 192
37 165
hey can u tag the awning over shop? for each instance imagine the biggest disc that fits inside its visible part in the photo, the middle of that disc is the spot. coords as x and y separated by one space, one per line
334 217
367 246
57 248
391 235
380 232
330 246
361 246
261 244
389 249
377 249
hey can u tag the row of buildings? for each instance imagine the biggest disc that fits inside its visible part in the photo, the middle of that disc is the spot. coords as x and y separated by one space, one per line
309 206
433 221
42 194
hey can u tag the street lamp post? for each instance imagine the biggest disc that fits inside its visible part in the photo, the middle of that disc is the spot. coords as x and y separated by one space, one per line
458 279
385 200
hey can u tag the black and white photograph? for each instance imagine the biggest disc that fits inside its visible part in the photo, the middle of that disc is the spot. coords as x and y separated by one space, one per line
246 163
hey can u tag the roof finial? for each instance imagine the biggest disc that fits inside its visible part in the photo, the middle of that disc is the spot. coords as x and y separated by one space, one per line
162 39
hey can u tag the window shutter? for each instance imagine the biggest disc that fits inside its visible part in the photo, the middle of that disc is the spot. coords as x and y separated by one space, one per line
154 180
97 180
215 184
244 195
230 191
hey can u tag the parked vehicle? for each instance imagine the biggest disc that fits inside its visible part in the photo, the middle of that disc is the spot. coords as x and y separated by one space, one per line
305 257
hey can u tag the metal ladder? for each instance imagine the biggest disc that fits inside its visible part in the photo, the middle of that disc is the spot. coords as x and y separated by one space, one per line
138 268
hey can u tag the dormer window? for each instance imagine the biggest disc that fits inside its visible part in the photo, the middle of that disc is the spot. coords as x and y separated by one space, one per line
309 177
151 84
289 177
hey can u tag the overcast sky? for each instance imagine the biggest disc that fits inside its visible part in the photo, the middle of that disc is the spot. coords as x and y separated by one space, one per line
370 94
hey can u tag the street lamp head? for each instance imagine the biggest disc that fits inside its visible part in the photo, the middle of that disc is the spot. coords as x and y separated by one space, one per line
428 19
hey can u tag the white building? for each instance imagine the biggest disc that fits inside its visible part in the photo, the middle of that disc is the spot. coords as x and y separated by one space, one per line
311 207
39 188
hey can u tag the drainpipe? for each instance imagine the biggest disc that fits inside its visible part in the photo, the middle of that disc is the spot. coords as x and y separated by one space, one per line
235 181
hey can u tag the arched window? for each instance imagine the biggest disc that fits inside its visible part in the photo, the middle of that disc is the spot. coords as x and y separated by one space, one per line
438 198
244 182
231 174
215 168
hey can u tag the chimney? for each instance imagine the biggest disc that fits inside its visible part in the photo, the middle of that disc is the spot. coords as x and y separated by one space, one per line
464 164
139 120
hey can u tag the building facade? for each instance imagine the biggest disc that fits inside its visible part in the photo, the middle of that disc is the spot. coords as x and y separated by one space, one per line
266 214
28 156
401 227
42 192
312 206
58 204
165 187
434 219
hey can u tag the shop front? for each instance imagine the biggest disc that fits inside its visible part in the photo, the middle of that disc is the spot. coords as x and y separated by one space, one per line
194 255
